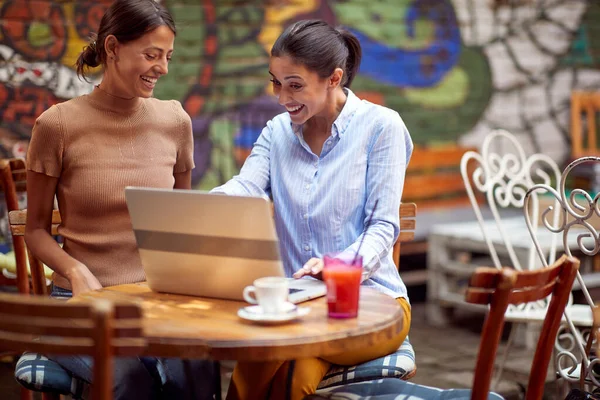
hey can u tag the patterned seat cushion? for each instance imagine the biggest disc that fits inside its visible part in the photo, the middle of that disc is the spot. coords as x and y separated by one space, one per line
397 365
36 372
393 389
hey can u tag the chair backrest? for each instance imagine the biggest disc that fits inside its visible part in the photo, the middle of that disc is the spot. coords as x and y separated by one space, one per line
587 103
13 176
17 220
100 329
579 219
408 213
433 178
498 289
503 173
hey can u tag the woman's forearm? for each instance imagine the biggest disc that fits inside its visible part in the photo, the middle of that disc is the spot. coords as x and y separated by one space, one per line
46 249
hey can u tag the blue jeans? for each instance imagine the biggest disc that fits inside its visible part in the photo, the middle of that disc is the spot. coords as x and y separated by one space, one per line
148 377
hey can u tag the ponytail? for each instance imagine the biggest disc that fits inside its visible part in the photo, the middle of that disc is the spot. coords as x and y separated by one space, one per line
354 55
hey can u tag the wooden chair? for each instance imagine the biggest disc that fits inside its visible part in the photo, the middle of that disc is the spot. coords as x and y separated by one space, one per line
597 325
16 220
587 103
498 289
13 177
408 213
101 330
13 181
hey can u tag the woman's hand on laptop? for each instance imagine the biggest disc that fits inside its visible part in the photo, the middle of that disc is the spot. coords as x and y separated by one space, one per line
313 267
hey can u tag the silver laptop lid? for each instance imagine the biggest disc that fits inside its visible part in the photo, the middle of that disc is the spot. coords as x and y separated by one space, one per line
196 243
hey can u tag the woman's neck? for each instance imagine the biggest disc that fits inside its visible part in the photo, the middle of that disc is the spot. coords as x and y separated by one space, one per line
112 88
107 100
323 122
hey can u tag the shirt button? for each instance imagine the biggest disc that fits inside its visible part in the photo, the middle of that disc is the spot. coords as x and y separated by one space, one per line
328 142
306 247
307 187
305 216
316 164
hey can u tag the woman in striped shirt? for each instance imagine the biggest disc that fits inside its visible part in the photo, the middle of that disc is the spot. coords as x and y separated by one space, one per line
325 163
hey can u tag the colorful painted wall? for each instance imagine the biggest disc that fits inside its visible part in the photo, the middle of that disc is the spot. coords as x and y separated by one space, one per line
452 69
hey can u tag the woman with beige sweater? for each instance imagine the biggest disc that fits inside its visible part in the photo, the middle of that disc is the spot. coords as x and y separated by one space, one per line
86 151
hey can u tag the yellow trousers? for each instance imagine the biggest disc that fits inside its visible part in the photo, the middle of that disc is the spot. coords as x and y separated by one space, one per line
257 380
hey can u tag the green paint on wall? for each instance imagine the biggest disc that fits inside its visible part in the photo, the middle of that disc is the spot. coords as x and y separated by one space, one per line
223 165
39 34
585 48
384 21
188 51
592 22
235 59
451 92
435 124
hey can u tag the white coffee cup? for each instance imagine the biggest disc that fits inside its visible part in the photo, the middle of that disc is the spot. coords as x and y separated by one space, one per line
270 293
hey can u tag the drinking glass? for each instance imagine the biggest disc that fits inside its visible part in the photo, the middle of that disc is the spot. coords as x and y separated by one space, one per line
342 275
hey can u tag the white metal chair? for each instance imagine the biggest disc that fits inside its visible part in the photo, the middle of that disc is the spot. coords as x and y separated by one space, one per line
503 174
576 211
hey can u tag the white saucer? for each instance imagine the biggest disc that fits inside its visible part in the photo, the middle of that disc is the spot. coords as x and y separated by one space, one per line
256 314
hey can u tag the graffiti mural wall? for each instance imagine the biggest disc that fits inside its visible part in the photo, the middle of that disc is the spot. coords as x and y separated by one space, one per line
452 69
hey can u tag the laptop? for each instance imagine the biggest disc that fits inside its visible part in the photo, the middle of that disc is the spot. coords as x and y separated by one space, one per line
209 245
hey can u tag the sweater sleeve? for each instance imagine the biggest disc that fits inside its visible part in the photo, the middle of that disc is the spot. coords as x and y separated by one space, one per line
185 143
46 147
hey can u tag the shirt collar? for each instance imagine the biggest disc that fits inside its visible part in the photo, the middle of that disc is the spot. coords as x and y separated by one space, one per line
341 122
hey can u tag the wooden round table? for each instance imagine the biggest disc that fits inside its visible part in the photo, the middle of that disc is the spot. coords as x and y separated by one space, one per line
198 327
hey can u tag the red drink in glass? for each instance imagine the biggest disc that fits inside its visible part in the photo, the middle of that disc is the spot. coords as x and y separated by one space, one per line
342 277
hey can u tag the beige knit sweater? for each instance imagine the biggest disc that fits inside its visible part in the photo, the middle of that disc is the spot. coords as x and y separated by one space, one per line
96 145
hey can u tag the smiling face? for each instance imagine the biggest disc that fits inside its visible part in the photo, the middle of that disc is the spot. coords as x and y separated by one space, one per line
136 66
301 91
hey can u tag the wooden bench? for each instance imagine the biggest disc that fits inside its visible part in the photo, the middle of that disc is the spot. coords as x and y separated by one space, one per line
585 114
434 182
584 142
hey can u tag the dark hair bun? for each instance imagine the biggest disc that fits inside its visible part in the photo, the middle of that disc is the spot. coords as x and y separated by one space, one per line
89 55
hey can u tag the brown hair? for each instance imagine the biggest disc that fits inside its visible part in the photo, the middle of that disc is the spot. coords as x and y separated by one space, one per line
321 48
127 20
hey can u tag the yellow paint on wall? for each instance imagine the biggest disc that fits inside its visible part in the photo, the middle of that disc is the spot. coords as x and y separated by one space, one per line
75 44
277 14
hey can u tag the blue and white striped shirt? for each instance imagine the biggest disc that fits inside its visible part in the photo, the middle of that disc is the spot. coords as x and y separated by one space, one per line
322 203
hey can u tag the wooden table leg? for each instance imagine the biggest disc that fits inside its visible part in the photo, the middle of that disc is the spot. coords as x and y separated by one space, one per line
25 394
290 377
217 380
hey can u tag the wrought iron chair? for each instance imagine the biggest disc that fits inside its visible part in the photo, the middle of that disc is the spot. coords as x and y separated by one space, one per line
576 209
503 174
